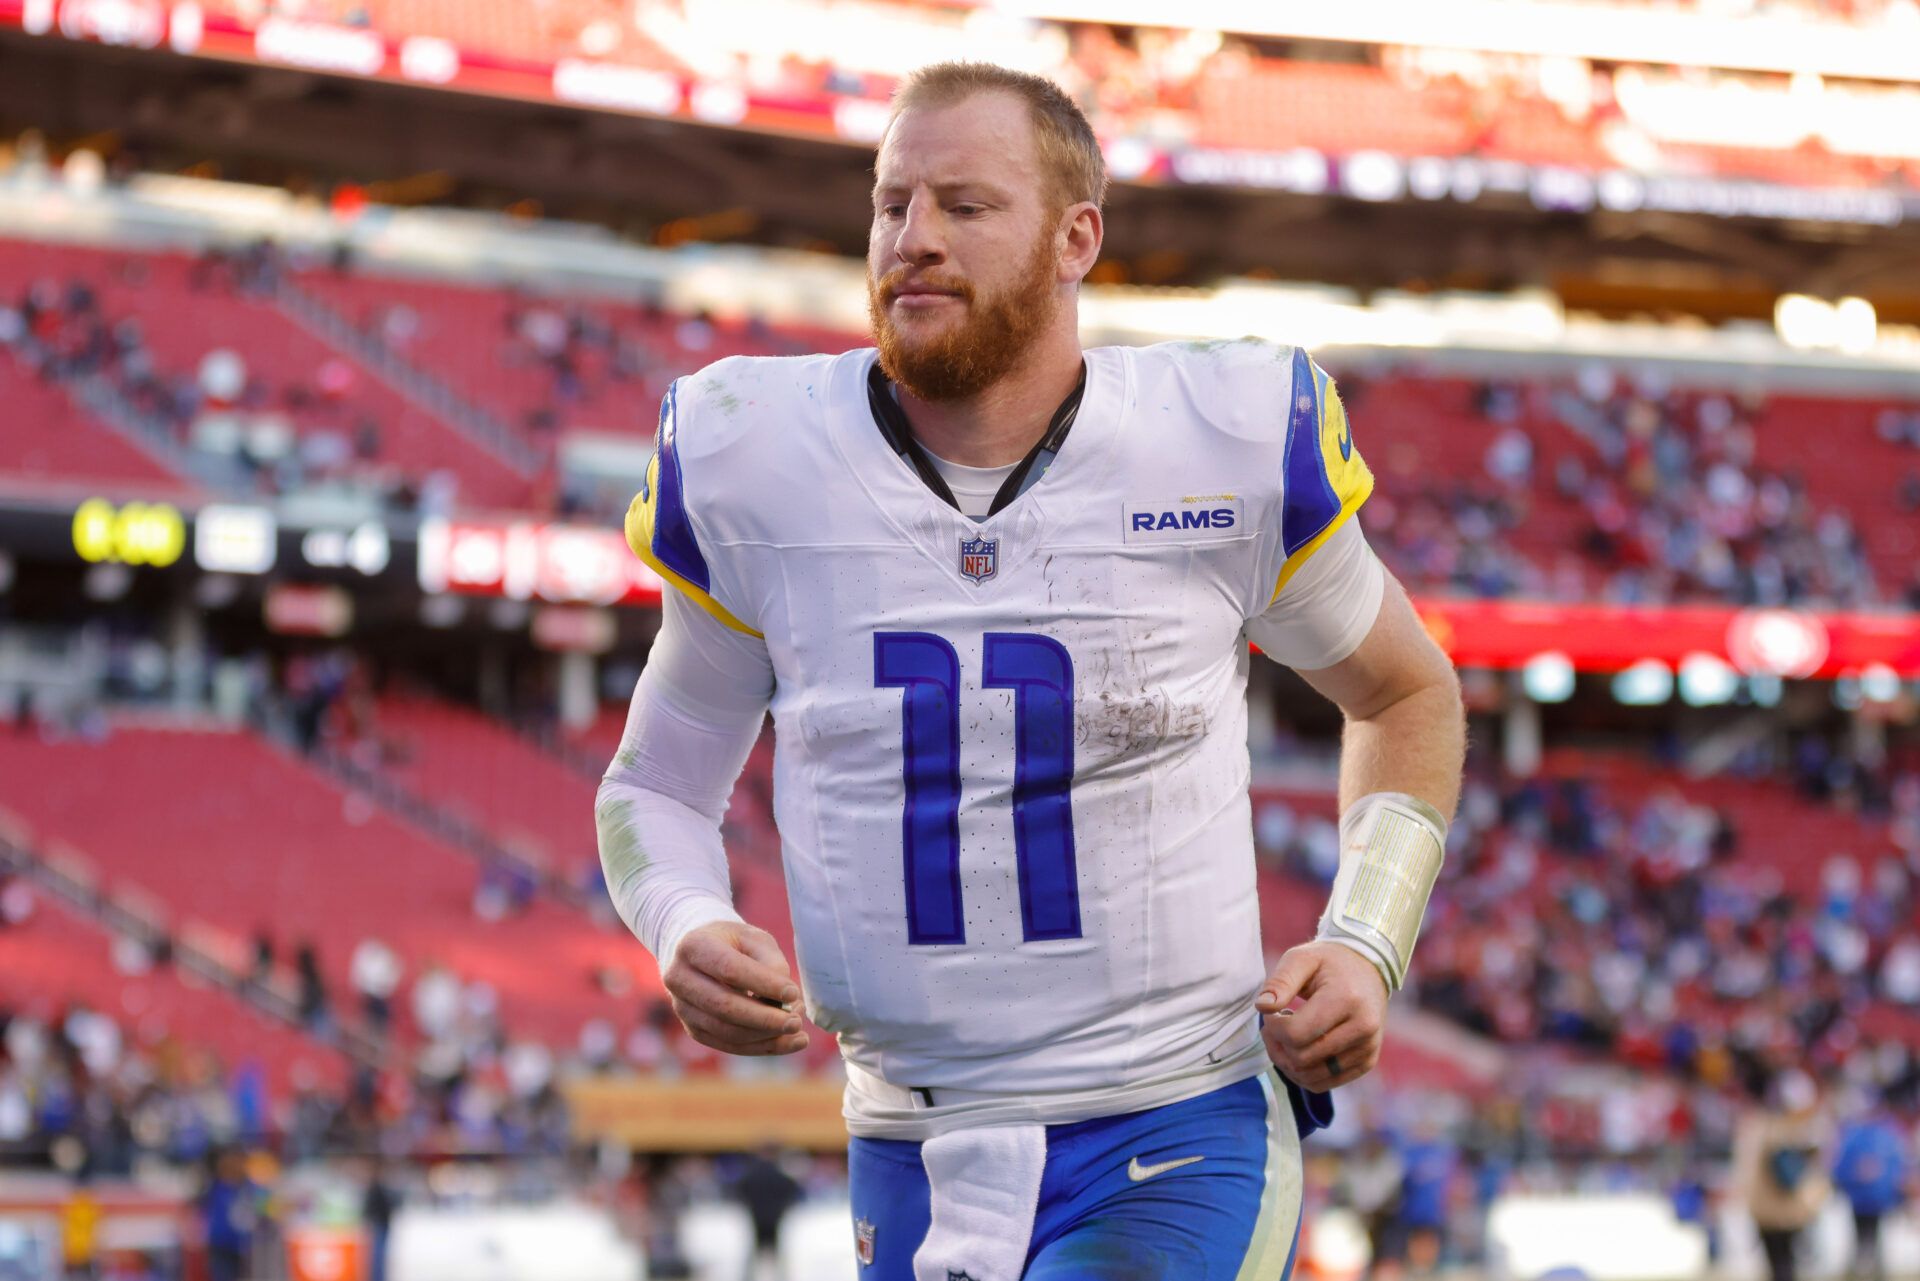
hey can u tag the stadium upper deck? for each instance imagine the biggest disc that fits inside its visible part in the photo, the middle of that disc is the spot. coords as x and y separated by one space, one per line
1465 90
1819 98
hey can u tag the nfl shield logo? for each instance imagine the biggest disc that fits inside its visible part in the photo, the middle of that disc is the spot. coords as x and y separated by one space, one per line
863 1241
979 558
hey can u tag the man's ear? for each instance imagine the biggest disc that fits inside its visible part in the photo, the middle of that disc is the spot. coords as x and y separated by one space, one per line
1081 231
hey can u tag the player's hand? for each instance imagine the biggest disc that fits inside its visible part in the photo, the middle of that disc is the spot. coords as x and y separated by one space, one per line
718 978
1334 1036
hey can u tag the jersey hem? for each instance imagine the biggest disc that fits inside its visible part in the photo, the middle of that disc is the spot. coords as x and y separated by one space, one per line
871 1118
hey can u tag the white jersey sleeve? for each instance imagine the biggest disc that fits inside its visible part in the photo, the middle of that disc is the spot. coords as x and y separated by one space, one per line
1325 610
695 714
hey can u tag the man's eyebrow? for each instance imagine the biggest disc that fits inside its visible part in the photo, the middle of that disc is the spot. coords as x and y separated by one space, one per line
981 186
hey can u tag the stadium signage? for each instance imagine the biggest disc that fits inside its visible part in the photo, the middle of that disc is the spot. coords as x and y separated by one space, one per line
234 540
1508 635
365 548
320 47
1777 642
1709 647
139 24
564 564
608 84
695 1114
293 609
151 534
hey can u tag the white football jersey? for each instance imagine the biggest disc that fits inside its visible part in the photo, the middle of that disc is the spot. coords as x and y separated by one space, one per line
1011 761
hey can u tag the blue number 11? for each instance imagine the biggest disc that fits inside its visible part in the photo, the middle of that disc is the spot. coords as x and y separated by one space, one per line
1038 670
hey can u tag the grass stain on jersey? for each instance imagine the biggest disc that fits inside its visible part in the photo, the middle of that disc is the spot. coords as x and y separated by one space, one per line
621 854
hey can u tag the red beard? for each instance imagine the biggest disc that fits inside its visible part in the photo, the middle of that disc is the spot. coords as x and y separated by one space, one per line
988 343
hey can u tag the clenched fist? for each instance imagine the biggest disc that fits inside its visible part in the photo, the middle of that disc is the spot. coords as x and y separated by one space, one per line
1334 1036
732 990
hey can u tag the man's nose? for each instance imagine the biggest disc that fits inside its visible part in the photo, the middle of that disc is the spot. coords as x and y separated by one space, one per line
921 242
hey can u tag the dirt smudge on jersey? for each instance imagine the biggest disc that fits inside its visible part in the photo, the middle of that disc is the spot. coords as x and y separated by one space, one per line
1126 724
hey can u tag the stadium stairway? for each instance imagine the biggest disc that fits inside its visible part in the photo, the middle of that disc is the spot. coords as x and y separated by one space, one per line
184 313
463 335
486 776
473 337
226 828
310 311
72 951
501 794
70 437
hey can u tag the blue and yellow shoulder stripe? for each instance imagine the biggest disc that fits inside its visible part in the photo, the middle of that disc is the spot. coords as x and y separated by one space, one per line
1325 480
657 526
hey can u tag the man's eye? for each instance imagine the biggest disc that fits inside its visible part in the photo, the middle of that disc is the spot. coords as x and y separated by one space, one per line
893 211
967 210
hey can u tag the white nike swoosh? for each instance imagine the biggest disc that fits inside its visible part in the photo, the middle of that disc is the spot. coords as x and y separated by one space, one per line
1138 1172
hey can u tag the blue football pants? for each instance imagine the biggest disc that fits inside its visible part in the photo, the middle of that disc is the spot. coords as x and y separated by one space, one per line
1233 1215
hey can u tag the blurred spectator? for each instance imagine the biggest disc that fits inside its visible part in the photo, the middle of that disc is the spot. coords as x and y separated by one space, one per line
262 972
228 1214
1871 1169
1373 1174
80 1233
16 900
1900 972
506 888
375 972
314 1012
436 1002
768 1193
377 1209
1780 1163
1429 1164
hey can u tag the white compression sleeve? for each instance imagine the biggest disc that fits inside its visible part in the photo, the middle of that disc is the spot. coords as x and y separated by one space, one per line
1327 608
695 714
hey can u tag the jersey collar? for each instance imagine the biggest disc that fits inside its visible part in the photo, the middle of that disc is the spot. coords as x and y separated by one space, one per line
898 433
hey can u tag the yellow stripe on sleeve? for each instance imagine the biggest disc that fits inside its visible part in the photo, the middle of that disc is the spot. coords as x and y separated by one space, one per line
639 530
1345 471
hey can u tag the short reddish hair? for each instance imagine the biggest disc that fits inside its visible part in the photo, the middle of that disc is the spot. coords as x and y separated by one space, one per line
1068 149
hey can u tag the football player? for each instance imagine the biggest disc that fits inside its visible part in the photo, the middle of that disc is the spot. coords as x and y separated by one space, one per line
998 592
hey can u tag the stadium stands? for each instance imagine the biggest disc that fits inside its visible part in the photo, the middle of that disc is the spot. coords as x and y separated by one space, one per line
1464 515
158 317
546 364
58 961
486 774
52 441
1622 914
224 828
1783 836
